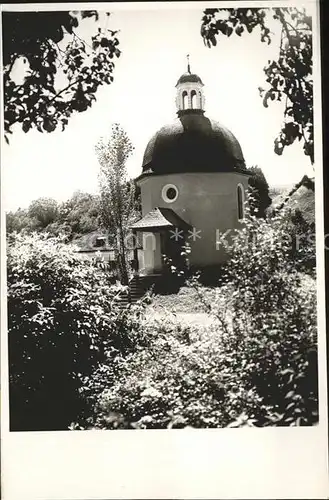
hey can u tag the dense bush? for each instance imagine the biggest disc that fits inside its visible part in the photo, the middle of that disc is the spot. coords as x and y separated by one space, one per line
256 373
303 249
272 347
62 318
263 254
257 365
271 308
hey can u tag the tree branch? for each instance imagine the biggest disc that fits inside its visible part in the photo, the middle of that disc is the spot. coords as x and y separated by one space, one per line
284 24
63 90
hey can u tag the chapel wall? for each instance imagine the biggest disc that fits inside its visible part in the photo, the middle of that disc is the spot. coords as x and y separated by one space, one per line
207 201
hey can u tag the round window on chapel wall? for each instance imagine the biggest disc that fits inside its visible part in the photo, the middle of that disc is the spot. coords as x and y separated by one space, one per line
169 193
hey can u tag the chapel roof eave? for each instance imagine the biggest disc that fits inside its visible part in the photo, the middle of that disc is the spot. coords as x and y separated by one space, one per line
190 111
158 219
152 173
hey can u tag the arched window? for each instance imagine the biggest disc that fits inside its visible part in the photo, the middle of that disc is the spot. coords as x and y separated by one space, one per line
193 99
240 192
201 100
185 99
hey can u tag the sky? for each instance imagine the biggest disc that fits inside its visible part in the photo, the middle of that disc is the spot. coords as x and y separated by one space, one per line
154 46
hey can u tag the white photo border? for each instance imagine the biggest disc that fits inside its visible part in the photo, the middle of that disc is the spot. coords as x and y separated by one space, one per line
224 463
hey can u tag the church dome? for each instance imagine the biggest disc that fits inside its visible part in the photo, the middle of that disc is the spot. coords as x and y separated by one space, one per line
189 77
193 143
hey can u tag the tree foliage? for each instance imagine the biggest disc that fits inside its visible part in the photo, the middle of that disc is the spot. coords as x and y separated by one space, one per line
259 187
20 221
80 214
289 78
77 216
44 210
117 195
63 72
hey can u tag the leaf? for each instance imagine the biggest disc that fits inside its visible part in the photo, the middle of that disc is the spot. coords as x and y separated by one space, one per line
26 126
266 96
213 40
64 123
278 147
289 394
239 30
49 124
286 371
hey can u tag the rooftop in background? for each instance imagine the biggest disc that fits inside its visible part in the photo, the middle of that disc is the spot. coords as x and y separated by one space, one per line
300 197
95 241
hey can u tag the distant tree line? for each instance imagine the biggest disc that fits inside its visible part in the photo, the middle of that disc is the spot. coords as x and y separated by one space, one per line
79 215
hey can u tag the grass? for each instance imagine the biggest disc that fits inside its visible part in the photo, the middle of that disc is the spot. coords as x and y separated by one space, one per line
185 301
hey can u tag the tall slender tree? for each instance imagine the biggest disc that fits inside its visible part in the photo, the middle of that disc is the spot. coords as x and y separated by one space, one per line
117 193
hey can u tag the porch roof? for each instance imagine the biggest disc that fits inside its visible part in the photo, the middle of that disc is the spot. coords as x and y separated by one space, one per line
160 218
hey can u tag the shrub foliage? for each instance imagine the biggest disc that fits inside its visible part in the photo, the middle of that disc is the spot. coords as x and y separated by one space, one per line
256 365
62 316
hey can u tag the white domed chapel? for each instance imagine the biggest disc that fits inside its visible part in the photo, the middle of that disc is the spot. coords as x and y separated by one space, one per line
193 185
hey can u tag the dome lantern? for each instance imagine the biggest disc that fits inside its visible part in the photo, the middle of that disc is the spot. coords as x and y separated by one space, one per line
189 96
193 143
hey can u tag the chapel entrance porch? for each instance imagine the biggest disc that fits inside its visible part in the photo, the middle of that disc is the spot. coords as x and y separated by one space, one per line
162 234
